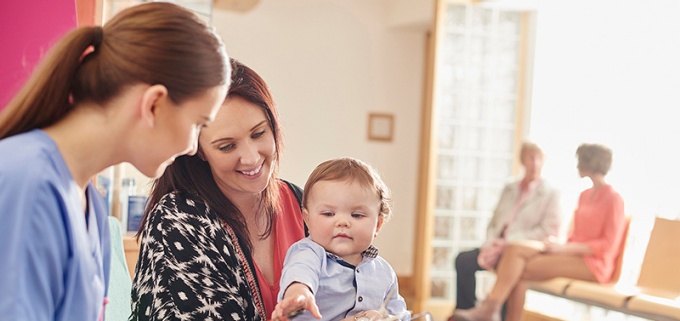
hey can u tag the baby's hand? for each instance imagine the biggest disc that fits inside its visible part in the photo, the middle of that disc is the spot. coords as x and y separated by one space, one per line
368 315
297 297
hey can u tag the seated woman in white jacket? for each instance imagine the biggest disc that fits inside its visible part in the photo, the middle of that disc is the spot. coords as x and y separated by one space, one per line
528 209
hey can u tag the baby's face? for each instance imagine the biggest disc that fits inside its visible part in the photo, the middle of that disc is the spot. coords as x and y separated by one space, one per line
343 217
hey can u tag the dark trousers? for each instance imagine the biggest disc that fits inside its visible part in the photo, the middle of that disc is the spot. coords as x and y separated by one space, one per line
466 266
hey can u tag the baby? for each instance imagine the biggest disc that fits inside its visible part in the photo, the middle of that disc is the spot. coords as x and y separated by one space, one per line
336 269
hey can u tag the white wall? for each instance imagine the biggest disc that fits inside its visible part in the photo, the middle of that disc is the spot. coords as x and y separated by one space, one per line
329 63
411 14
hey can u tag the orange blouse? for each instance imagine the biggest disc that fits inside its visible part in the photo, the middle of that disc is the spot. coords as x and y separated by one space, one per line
599 222
288 229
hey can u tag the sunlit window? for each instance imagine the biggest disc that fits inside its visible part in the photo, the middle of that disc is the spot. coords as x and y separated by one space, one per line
608 72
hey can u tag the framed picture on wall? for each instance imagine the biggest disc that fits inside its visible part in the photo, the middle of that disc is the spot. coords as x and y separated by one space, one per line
380 126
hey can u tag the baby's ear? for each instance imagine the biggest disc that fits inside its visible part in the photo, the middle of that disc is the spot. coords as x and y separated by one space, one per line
305 215
381 221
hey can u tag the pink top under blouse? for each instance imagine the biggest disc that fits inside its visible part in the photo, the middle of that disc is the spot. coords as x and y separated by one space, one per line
289 228
599 222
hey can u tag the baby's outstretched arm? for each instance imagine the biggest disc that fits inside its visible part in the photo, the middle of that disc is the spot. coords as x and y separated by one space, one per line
297 296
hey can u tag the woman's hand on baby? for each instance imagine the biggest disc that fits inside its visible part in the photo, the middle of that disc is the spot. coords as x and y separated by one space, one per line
297 297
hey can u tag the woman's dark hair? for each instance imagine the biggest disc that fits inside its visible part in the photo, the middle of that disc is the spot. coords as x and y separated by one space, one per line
594 158
190 175
152 43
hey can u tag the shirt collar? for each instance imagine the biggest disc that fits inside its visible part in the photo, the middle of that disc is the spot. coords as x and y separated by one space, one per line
371 252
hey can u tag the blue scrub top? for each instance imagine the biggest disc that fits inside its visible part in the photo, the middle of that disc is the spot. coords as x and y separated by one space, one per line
55 260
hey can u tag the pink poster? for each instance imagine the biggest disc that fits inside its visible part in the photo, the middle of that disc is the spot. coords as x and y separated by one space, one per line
28 28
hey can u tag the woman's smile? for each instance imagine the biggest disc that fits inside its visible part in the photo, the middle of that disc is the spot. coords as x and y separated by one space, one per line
253 172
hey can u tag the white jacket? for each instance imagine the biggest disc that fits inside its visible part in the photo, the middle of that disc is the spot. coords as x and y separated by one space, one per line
537 218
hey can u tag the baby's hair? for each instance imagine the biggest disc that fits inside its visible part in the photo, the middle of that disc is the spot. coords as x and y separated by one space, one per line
351 170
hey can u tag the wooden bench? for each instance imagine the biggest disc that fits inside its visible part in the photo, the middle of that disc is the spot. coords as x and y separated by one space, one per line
656 294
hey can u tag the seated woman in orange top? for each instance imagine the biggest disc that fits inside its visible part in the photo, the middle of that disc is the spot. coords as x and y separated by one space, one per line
590 253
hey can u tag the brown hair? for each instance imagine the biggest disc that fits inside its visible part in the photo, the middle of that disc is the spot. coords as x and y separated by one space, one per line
352 170
152 43
189 174
594 158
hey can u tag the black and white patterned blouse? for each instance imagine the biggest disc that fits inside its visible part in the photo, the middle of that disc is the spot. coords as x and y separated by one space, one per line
191 267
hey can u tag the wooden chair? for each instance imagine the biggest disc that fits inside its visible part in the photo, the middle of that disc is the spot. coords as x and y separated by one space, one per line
659 282
604 294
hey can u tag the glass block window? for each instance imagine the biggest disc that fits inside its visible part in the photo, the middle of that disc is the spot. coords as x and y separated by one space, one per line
476 106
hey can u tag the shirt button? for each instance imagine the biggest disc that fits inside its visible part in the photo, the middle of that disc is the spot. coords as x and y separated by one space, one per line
357 270
361 298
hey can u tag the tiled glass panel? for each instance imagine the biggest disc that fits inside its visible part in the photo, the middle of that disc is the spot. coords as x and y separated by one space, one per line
497 169
468 229
469 168
443 228
445 197
470 195
446 166
502 140
442 258
446 137
503 111
476 124
455 17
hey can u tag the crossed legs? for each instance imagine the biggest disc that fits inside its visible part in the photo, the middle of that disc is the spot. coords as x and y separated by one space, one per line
523 263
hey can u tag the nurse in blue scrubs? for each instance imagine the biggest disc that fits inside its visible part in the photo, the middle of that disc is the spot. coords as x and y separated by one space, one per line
137 90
